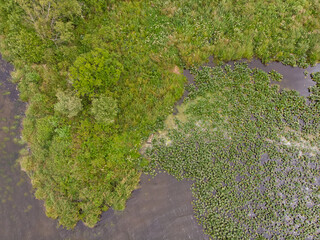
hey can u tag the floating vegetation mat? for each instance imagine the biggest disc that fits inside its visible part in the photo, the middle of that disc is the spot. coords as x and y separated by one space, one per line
252 152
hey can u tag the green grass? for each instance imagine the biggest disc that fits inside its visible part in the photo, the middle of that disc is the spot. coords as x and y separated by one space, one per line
230 30
81 167
254 164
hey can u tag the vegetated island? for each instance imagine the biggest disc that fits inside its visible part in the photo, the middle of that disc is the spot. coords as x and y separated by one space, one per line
100 76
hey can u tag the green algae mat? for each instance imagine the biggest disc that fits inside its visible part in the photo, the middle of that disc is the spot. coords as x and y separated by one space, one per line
252 152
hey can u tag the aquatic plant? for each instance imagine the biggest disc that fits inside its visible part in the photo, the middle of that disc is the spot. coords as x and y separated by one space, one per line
275 76
252 153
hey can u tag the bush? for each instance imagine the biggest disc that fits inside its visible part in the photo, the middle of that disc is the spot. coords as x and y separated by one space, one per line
104 109
26 45
68 104
95 72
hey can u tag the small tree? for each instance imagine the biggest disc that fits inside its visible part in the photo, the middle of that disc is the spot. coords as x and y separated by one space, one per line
51 19
68 104
94 72
104 109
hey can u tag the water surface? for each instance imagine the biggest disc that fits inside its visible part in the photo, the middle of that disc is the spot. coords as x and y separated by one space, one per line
21 215
160 209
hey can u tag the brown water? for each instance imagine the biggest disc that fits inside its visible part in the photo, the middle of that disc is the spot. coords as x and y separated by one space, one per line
21 215
160 209
293 77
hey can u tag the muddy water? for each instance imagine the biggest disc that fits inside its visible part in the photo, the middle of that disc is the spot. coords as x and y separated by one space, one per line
160 209
293 77
21 216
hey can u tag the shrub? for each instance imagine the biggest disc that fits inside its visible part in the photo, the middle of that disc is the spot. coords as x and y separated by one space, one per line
94 72
104 109
26 45
68 104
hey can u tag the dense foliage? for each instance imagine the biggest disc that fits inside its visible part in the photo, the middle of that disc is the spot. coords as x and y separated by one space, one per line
99 76
94 73
104 109
68 104
252 152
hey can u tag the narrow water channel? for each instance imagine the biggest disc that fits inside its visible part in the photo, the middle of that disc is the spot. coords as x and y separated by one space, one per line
293 77
160 209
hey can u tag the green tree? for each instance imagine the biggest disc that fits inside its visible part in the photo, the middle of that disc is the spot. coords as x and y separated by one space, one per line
104 109
28 82
95 72
68 104
51 18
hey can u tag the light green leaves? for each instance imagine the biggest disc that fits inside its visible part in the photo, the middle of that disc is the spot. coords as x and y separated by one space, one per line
68 104
46 16
104 109
95 72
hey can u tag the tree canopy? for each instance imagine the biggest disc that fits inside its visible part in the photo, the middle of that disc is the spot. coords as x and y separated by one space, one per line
95 72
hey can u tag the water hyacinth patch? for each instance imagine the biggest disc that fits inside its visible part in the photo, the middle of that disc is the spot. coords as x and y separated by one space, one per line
252 153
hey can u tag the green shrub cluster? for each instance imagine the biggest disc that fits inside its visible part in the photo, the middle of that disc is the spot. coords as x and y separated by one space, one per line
67 104
229 30
100 76
94 73
252 152
104 109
